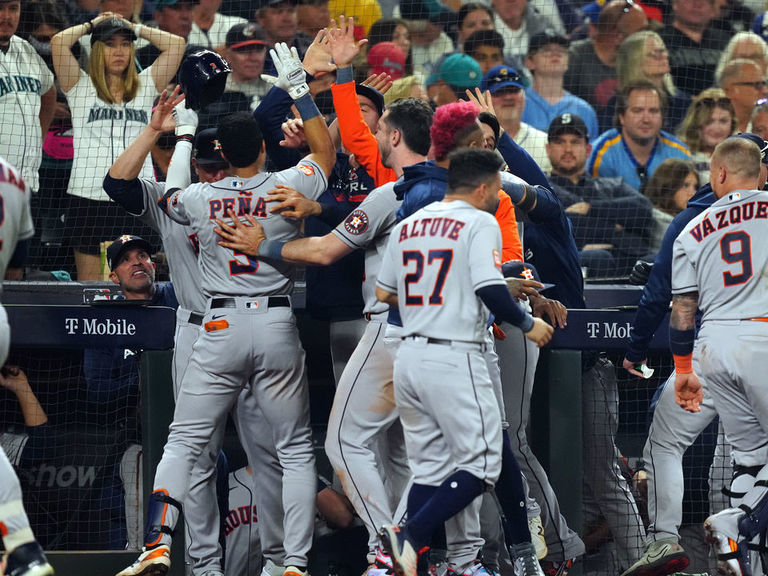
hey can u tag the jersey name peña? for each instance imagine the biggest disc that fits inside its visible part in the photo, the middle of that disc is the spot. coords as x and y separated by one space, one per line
226 206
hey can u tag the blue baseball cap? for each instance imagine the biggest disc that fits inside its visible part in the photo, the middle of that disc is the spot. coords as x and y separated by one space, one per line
758 140
500 77
461 71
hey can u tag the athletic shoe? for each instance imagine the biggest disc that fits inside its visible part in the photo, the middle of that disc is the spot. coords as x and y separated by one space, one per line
524 559
271 569
474 568
294 571
27 560
537 537
557 568
404 556
661 557
154 562
381 566
723 535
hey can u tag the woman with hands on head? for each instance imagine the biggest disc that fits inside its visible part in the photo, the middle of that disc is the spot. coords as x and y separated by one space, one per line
111 105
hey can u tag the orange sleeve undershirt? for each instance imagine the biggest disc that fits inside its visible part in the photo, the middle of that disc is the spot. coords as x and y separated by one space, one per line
355 134
511 247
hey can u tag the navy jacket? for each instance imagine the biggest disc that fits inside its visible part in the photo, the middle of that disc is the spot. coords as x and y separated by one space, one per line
421 184
657 293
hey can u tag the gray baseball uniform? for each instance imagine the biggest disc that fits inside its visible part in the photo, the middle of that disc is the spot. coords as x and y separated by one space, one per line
440 361
250 338
15 225
364 404
723 255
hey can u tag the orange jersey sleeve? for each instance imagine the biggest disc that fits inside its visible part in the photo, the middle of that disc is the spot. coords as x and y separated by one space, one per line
356 136
511 247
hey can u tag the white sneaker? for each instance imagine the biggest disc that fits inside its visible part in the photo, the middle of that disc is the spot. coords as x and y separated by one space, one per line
723 535
660 558
524 560
294 571
154 561
537 537
271 569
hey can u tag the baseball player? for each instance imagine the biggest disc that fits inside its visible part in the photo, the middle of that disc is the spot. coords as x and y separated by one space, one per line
364 402
671 431
24 556
455 453
719 266
245 297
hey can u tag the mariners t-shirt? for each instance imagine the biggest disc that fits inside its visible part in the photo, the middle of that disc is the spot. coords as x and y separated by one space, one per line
24 78
102 131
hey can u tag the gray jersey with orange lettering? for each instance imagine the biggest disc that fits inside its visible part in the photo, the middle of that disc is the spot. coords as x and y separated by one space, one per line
722 254
225 272
435 261
15 214
367 227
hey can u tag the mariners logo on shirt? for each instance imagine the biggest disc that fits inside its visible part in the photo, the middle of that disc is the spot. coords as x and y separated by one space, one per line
356 222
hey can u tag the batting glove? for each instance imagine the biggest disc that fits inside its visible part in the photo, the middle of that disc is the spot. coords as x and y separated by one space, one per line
290 73
640 273
185 119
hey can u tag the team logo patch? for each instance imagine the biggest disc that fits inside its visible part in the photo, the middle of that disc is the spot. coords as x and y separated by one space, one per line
496 258
237 183
356 222
307 170
527 273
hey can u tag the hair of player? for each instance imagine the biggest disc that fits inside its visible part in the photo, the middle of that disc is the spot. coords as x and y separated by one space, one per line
622 97
631 57
452 124
741 157
727 55
666 180
483 38
699 114
491 120
470 167
97 70
239 135
413 118
734 70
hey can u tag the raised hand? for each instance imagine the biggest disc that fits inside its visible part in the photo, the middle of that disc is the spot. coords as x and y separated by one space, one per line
241 236
381 82
482 99
290 73
344 47
162 116
292 203
185 120
293 134
318 57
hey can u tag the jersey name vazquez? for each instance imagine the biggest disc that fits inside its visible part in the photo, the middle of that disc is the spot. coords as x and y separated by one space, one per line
733 215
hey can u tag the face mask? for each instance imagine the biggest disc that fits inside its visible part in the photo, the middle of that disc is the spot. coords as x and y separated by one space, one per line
42 48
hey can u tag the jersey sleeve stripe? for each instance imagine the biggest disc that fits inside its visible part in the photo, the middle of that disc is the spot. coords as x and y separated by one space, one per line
490 282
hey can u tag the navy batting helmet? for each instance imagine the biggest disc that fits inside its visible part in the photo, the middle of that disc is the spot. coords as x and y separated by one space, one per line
203 76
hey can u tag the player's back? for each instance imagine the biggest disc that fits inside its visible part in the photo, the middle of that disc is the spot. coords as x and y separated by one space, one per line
445 252
15 214
723 254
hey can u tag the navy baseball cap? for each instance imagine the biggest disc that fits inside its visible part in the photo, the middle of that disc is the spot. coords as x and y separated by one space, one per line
762 144
567 123
122 244
518 269
373 95
500 77
545 38
245 34
160 4
207 149
104 30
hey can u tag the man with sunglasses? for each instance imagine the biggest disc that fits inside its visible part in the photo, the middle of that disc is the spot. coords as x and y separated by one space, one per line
508 96
744 83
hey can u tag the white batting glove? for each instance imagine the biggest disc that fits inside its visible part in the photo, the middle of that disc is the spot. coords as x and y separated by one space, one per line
185 119
290 73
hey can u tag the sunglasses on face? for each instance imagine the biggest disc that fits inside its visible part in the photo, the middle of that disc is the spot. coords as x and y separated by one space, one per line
712 102
757 84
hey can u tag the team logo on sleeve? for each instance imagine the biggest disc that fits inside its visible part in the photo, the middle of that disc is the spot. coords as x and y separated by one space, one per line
496 258
356 222
306 170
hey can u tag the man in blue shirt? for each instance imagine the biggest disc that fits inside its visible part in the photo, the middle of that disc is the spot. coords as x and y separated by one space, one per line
635 148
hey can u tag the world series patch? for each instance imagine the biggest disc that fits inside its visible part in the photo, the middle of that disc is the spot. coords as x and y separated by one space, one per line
356 223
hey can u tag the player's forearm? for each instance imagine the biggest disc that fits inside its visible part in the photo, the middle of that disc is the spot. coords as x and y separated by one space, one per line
130 162
684 307
386 296
499 301
33 413
682 331
318 136
178 170
318 250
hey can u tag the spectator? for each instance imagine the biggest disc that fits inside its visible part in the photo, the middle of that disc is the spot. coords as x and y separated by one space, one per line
592 65
611 220
109 107
517 21
759 119
486 47
27 98
472 17
429 42
637 145
387 57
669 189
456 74
744 84
747 45
246 51
693 44
173 17
546 99
508 96
128 9
643 56
209 26
278 19
407 87
312 16
80 11
396 31
709 121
